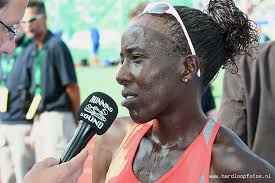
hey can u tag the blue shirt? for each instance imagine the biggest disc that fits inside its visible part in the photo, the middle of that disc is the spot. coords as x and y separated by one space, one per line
208 101
95 37
57 71
17 88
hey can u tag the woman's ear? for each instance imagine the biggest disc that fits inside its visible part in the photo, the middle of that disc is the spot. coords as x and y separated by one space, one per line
189 67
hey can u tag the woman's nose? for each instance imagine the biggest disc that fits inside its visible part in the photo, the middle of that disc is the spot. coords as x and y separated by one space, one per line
124 75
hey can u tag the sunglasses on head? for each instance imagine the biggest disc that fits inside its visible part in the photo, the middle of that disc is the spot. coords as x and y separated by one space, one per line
163 7
32 19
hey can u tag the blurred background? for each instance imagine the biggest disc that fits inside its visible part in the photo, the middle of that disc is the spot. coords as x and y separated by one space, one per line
74 20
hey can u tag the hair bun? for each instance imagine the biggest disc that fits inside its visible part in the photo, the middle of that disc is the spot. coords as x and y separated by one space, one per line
238 31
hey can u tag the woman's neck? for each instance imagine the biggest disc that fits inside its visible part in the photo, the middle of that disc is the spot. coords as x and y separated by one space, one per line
181 125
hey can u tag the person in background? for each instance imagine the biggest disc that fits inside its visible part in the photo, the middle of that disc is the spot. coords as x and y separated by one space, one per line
48 170
11 12
53 83
248 100
95 42
208 103
16 155
169 55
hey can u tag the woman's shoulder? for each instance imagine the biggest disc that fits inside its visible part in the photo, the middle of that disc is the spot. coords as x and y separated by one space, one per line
230 156
106 145
112 139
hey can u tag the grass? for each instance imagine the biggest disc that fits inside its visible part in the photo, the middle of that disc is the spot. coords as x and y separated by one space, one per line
92 79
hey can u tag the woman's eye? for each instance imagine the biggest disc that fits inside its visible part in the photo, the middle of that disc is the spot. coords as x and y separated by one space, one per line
137 58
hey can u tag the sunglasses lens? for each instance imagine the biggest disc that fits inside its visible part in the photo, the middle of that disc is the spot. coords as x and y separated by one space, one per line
158 8
32 19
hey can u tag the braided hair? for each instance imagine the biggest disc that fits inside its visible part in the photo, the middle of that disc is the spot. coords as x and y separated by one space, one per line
219 35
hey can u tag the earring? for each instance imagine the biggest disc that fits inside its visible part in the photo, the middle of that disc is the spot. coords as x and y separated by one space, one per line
199 73
185 80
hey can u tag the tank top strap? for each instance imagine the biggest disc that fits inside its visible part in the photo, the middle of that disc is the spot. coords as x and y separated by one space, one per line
134 130
210 131
209 135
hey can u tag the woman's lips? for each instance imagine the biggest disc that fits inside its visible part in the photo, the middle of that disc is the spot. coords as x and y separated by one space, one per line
128 100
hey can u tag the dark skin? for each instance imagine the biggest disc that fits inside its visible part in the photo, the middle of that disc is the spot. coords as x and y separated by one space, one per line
73 92
155 80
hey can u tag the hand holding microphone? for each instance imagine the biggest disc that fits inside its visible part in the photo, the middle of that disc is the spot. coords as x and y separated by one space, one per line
49 170
95 115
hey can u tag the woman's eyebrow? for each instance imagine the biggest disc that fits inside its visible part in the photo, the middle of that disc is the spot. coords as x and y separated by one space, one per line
131 49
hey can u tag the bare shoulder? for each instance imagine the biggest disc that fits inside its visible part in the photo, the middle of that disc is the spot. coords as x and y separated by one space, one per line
106 145
232 159
114 136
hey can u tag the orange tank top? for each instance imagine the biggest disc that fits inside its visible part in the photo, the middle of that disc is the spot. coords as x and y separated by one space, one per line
192 167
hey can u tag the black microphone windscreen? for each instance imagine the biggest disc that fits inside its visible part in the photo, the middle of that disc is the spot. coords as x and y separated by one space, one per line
95 115
98 110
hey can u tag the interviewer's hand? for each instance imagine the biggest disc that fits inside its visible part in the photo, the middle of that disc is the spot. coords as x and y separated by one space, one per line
49 170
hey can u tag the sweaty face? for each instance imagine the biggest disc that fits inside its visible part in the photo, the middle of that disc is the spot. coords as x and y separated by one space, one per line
10 15
33 29
149 71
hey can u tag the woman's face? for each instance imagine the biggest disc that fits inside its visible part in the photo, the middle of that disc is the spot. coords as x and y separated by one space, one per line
149 71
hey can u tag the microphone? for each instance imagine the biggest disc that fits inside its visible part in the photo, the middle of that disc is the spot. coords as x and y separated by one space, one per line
95 115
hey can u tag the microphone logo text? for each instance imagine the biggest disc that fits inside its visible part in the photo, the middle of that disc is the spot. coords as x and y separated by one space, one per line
95 111
100 102
93 120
